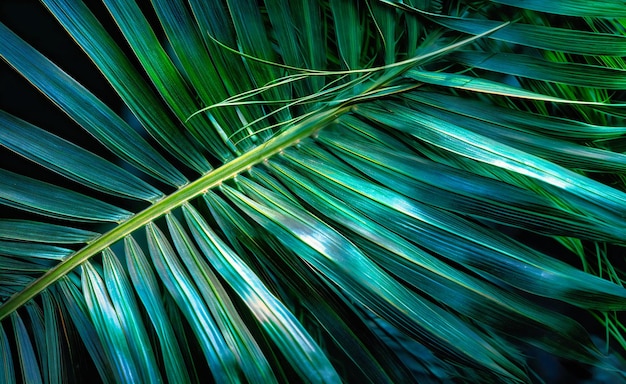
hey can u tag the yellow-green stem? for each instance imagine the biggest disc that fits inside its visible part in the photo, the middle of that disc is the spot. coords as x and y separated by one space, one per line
190 191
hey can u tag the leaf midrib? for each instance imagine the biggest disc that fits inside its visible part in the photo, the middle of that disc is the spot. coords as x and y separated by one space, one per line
289 137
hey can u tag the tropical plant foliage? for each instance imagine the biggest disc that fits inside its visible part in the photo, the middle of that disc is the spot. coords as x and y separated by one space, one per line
318 191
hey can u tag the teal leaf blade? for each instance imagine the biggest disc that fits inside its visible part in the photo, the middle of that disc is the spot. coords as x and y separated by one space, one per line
33 250
35 317
147 289
603 8
83 107
28 361
74 303
53 345
28 230
552 126
109 326
348 36
220 358
122 298
582 75
6 369
522 266
89 33
192 54
369 357
542 37
567 154
477 84
240 340
343 263
471 194
482 149
294 342
70 160
420 269
165 76
54 201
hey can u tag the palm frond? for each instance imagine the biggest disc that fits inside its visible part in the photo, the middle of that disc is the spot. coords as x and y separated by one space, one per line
318 191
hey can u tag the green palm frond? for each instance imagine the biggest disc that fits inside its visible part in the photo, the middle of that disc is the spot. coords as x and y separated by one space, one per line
318 191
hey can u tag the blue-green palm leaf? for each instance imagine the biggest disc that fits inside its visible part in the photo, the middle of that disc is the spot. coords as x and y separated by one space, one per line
317 191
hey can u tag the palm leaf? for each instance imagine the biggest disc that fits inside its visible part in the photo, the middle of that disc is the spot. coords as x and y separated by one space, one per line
317 192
